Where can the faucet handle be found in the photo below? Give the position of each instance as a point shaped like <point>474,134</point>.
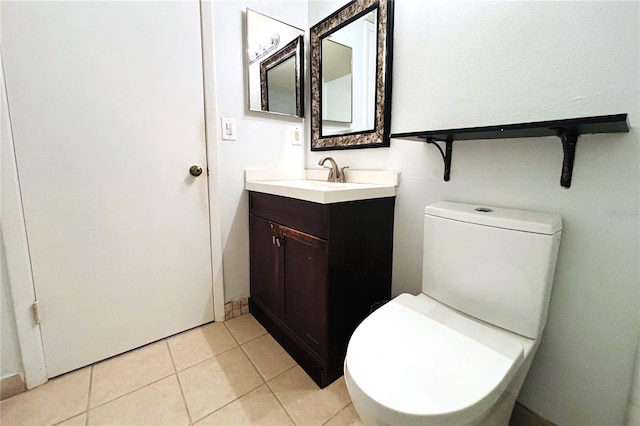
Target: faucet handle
<point>331,177</point>
<point>342,178</point>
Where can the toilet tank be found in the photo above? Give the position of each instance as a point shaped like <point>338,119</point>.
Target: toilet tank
<point>491,263</point>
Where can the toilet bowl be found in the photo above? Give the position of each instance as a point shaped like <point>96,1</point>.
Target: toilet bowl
<point>458,353</point>
<point>417,361</point>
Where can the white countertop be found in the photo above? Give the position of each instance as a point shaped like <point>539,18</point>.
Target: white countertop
<point>311,185</point>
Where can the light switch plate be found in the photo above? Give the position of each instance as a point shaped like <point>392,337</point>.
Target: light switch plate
<point>295,135</point>
<point>228,129</point>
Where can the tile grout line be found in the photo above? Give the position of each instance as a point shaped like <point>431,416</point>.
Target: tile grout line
<point>238,345</point>
<point>259,372</point>
<point>89,408</point>
<point>175,371</point>
<point>232,401</point>
<point>249,358</point>
<point>130,392</point>
<point>88,396</point>
<point>231,333</point>
<point>204,360</point>
<point>86,420</point>
<point>267,382</point>
<point>250,340</point>
<point>86,411</point>
<point>285,408</point>
<point>216,354</point>
<point>346,405</point>
<point>276,395</point>
<point>336,414</point>
<point>264,380</point>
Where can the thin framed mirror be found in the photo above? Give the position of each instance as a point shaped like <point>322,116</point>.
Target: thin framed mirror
<point>351,59</point>
<point>275,57</point>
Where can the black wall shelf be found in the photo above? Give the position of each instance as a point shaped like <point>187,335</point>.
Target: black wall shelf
<point>567,130</point>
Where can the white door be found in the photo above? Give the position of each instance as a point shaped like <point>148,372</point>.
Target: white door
<point>106,101</point>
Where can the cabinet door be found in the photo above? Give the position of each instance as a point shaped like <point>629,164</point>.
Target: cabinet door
<point>304,299</point>
<point>265,259</point>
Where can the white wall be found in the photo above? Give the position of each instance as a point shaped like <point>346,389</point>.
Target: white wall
<point>463,64</point>
<point>263,139</point>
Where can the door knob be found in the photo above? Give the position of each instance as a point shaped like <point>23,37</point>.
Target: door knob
<point>195,170</point>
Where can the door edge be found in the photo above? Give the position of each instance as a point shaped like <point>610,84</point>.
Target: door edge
<point>211,137</point>
<point>16,246</point>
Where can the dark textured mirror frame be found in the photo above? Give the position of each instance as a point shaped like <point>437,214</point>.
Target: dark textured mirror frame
<point>294,49</point>
<point>379,136</point>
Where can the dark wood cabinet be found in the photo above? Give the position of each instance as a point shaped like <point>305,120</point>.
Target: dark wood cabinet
<point>304,278</point>
<point>316,269</point>
<point>265,263</point>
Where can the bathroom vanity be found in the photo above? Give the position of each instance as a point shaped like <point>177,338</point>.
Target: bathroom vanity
<point>317,268</point>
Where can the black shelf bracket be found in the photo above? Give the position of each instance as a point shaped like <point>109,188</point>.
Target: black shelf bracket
<point>569,140</point>
<point>568,130</point>
<point>446,155</point>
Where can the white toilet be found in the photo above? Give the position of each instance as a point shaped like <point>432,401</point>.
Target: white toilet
<point>458,353</point>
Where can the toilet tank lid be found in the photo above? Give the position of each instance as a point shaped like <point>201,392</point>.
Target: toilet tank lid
<point>497,217</point>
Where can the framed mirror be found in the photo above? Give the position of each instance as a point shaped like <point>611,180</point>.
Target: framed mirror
<point>351,58</point>
<point>281,86</point>
<point>275,57</point>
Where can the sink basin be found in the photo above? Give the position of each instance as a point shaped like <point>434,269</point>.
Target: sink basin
<point>321,191</point>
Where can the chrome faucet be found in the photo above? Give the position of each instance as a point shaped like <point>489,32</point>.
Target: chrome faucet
<point>336,174</point>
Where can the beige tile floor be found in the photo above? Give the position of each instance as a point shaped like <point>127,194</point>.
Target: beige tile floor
<point>230,373</point>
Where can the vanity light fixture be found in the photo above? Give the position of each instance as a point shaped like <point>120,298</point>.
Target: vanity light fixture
<point>258,51</point>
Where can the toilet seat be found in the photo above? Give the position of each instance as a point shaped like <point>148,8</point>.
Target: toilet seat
<point>417,357</point>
